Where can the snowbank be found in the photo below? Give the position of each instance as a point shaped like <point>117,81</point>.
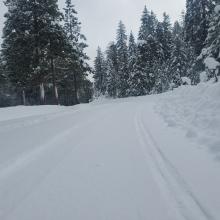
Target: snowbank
<point>195,109</point>
<point>211,63</point>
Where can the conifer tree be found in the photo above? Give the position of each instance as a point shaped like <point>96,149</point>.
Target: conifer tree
<point>177,30</point>
<point>112,70</point>
<point>33,39</point>
<point>178,62</point>
<point>75,56</point>
<point>148,51</point>
<point>100,73</point>
<point>48,40</point>
<point>211,53</point>
<point>164,46</point>
<point>132,61</point>
<point>148,23</point>
<point>17,46</point>
<point>122,54</point>
<point>197,21</point>
<point>167,40</point>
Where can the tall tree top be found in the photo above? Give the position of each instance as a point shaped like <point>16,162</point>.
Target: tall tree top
<point>148,24</point>
<point>121,32</point>
<point>132,45</point>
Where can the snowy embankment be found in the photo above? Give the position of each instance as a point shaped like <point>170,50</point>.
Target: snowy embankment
<point>134,159</point>
<point>197,111</point>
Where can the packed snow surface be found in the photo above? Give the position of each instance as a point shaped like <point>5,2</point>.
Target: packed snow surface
<point>22,112</point>
<point>155,157</point>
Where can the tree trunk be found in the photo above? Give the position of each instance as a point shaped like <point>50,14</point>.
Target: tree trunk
<point>56,96</point>
<point>216,74</point>
<point>23,97</point>
<point>75,94</point>
<point>42,94</point>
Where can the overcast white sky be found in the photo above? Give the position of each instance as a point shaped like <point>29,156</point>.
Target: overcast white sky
<point>100,17</point>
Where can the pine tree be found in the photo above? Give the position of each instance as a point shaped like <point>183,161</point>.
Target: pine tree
<point>160,66</point>
<point>132,52</point>
<point>17,46</point>
<point>137,77</point>
<point>100,73</point>
<point>148,23</point>
<point>197,21</point>
<point>122,53</point>
<point>33,39</point>
<point>211,53</point>
<point>39,52</point>
<point>76,58</point>
<point>148,52</point>
<point>48,39</point>
<point>177,30</point>
<point>132,61</point>
<point>167,40</point>
<point>164,40</point>
<point>112,70</point>
<point>7,94</point>
<point>178,61</point>
<point>55,41</point>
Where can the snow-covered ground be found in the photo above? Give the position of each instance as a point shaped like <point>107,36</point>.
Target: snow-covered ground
<point>23,112</point>
<point>197,111</point>
<point>155,157</point>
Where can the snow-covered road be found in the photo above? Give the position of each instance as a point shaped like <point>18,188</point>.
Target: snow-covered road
<point>109,160</point>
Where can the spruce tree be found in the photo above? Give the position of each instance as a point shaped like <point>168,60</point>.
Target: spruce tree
<point>132,61</point>
<point>33,40</point>
<point>148,51</point>
<point>211,53</point>
<point>177,30</point>
<point>112,78</point>
<point>48,40</point>
<point>178,62</point>
<point>122,53</point>
<point>148,23</point>
<point>17,46</point>
<point>55,42</point>
<point>76,58</point>
<point>167,40</point>
<point>197,17</point>
<point>164,40</point>
<point>100,73</point>
<point>161,64</point>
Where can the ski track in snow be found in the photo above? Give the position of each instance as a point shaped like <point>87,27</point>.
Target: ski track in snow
<point>171,183</point>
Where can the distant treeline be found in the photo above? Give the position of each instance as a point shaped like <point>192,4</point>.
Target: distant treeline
<point>164,56</point>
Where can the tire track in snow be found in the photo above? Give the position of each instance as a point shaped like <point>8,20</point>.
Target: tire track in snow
<point>183,202</point>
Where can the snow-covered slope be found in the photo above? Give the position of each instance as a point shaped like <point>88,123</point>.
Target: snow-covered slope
<point>135,159</point>
<point>197,111</point>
